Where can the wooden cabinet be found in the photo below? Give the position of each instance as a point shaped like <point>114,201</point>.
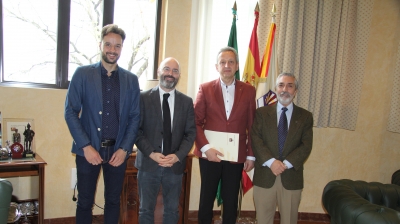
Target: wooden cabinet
<point>130,198</point>
<point>23,168</point>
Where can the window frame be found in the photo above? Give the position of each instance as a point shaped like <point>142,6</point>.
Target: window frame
<point>62,52</point>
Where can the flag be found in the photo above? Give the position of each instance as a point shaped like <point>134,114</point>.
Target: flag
<point>269,65</point>
<point>232,42</point>
<point>219,196</point>
<point>247,184</point>
<point>268,99</point>
<point>252,69</point>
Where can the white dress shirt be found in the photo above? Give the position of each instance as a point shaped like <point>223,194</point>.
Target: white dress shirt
<point>228,93</point>
<point>171,102</point>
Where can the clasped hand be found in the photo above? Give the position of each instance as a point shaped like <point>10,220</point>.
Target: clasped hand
<point>277,167</point>
<point>93,157</point>
<point>164,160</point>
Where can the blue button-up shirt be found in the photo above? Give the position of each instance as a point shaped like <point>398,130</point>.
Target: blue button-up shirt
<point>111,96</point>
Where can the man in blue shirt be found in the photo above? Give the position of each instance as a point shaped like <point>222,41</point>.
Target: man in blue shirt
<point>102,113</point>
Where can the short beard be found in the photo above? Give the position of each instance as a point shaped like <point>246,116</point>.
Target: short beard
<point>168,84</point>
<point>104,57</point>
<point>284,101</point>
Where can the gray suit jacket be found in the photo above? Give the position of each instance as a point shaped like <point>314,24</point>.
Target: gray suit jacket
<point>150,134</point>
<point>264,136</point>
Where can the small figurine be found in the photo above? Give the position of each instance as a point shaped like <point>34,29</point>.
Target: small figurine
<point>16,135</point>
<point>28,133</point>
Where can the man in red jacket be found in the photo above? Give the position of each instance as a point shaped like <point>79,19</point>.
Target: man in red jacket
<point>223,105</point>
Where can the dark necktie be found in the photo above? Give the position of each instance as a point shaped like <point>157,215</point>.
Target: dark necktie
<point>166,125</point>
<point>282,131</point>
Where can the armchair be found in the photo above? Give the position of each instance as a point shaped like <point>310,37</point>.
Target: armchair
<point>5,199</point>
<point>359,202</point>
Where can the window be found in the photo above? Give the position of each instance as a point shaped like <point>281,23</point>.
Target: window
<point>45,41</point>
<point>29,40</point>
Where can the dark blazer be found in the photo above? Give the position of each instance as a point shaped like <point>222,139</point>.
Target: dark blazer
<point>84,106</point>
<point>211,115</point>
<point>296,150</point>
<point>150,135</point>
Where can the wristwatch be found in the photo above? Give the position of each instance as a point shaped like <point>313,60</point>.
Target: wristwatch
<point>124,150</point>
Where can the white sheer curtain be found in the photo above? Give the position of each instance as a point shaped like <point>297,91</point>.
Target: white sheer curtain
<point>210,27</point>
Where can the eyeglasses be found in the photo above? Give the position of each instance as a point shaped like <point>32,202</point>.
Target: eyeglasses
<point>168,69</point>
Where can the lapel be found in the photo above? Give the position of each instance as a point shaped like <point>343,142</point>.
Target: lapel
<point>177,110</point>
<point>123,82</point>
<point>238,95</point>
<point>295,122</point>
<point>154,98</point>
<point>272,128</point>
<point>96,79</point>
<point>218,96</point>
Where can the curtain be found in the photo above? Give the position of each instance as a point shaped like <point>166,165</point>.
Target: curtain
<point>324,44</point>
<point>394,115</point>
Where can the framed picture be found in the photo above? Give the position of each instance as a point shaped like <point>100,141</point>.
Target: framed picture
<point>15,128</point>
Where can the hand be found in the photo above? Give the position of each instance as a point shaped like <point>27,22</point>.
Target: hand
<point>117,158</point>
<point>92,156</point>
<point>277,167</point>
<point>248,165</point>
<point>169,160</point>
<point>156,156</point>
<point>212,155</point>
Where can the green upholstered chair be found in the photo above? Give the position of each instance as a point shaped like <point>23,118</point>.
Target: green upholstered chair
<point>6,190</point>
<point>396,178</point>
<point>359,202</point>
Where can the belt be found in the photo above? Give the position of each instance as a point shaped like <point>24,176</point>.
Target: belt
<point>107,142</point>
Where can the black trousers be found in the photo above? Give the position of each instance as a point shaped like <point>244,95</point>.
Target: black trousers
<point>230,175</point>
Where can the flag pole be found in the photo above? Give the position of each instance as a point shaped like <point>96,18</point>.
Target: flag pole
<point>232,42</point>
<point>254,73</point>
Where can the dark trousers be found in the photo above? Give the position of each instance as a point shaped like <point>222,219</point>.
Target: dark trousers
<point>149,184</point>
<point>87,176</point>
<point>230,175</point>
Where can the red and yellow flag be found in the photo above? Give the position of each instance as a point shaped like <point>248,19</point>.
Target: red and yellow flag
<point>252,69</point>
<point>269,64</point>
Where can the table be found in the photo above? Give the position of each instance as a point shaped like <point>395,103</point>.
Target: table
<point>23,168</point>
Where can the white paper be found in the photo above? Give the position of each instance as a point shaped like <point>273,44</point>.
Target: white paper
<point>225,142</point>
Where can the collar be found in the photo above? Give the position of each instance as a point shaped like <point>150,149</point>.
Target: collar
<point>279,107</point>
<point>224,85</point>
<point>172,92</point>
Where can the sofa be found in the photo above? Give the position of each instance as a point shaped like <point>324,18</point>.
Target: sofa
<point>396,178</point>
<point>5,199</point>
<point>359,202</point>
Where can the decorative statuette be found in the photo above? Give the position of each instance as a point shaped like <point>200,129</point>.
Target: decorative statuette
<point>17,149</point>
<point>29,134</point>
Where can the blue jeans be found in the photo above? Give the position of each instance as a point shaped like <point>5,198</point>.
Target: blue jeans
<point>87,176</point>
<point>149,185</point>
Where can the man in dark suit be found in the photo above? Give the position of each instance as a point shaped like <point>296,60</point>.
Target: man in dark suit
<point>223,105</point>
<point>165,138</point>
<point>102,114</point>
<point>282,138</point>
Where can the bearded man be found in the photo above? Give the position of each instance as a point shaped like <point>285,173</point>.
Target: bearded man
<point>166,134</point>
<point>282,139</point>
<point>102,114</point>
